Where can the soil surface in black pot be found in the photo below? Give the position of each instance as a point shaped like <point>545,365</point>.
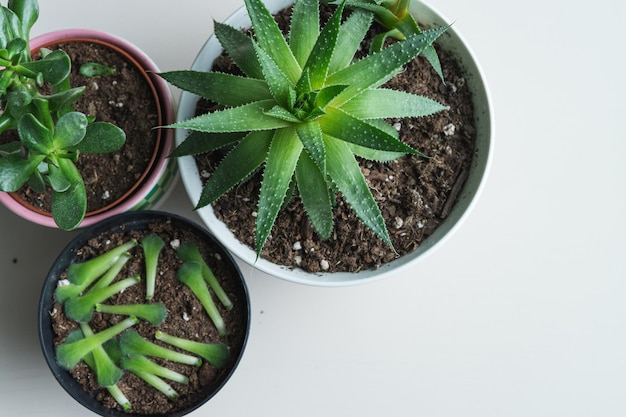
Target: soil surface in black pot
<point>186,318</point>
<point>124,99</point>
<point>415,194</point>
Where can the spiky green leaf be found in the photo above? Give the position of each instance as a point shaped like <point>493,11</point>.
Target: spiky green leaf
<point>304,29</point>
<point>201,142</point>
<point>239,47</point>
<point>244,159</point>
<point>310,134</point>
<point>271,39</point>
<point>281,163</point>
<point>375,69</point>
<point>346,174</point>
<point>341,125</point>
<point>320,57</point>
<point>349,39</point>
<point>226,89</point>
<point>279,85</point>
<point>315,195</point>
<point>385,103</point>
<point>244,118</point>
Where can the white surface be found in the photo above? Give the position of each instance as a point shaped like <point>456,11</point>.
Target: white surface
<point>521,313</point>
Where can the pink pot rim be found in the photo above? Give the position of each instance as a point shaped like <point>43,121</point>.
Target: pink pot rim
<point>168,116</point>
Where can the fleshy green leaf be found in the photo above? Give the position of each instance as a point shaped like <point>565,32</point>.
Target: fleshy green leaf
<point>69,207</point>
<point>55,66</point>
<point>226,89</point>
<point>304,29</point>
<point>57,179</point>
<point>375,69</point>
<point>341,125</point>
<point>201,142</point>
<point>346,174</point>
<point>385,103</point>
<point>315,195</point>
<point>28,12</point>
<point>310,134</point>
<point>244,118</point>
<point>244,159</point>
<point>15,171</point>
<point>63,99</point>
<point>34,135</point>
<point>239,47</point>
<point>271,40</point>
<point>101,137</point>
<point>278,83</point>
<point>70,130</point>
<point>10,27</point>
<point>320,57</point>
<point>281,163</point>
<point>349,39</point>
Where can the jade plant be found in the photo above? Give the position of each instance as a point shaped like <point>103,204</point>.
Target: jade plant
<point>52,134</point>
<point>89,288</point>
<point>304,109</point>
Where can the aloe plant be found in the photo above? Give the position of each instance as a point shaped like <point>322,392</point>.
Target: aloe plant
<point>51,134</point>
<point>302,112</point>
<point>394,16</point>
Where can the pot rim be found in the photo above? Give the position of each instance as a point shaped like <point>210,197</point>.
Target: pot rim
<point>165,137</point>
<point>466,201</point>
<point>127,221</point>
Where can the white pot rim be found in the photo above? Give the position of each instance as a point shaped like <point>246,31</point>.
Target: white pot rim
<point>452,41</point>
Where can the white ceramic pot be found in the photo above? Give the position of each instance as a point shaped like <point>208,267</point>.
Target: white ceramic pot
<point>450,41</point>
<point>156,181</point>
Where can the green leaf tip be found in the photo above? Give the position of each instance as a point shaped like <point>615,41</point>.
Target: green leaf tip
<point>81,308</point>
<point>190,274</point>
<point>90,270</point>
<point>189,251</point>
<point>216,354</point>
<point>69,354</point>
<point>152,246</point>
<point>137,363</point>
<point>154,313</point>
<point>132,343</point>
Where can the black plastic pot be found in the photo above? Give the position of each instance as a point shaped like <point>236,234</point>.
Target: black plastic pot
<point>124,222</point>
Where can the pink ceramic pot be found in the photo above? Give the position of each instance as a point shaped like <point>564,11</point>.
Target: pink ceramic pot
<point>152,187</point>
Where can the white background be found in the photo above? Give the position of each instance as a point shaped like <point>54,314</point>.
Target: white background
<point>521,313</point>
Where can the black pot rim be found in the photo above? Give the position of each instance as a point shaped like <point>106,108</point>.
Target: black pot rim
<point>131,220</point>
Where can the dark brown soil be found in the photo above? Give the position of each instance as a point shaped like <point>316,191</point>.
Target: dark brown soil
<point>415,193</point>
<point>186,318</point>
<point>124,99</point>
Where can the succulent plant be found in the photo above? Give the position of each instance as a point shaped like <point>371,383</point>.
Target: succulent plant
<point>51,133</point>
<point>303,111</point>
<point>394,16</point>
